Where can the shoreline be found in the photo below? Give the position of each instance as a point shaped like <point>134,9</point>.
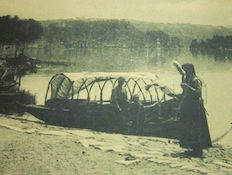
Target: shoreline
<point>29,146</point>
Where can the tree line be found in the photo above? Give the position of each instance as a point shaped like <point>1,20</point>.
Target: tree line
<point>217,42</point>
<point>220,47</point>
<point>75,34</point>
<point>104,33</point>
<point>15,31</point>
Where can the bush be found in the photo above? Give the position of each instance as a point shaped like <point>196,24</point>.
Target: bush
<point>9,102</point>
<point>26,98</point>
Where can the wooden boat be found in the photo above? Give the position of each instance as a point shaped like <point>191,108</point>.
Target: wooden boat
<point>8,86</point>
<point>83,100</point>
<point>26,64</point>
<point>10,92</point>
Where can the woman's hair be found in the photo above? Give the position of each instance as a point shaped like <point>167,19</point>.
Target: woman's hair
<point>189,68</point>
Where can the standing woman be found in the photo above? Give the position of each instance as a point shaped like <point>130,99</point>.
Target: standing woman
<point>193,122</point>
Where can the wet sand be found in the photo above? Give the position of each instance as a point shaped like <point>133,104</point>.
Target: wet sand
<point>29,146</point>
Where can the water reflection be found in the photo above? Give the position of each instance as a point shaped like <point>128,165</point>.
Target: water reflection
<point>216,54</point>
<point>108,59</point>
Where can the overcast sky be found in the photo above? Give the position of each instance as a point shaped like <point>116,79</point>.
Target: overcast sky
<point>207,12</point>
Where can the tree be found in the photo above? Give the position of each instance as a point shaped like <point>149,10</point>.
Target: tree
<point>15,31</point>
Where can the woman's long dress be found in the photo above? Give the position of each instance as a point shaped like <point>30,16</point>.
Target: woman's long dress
<point>194,127</point>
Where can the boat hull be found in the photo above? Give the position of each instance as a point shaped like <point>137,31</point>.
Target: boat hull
<point>101,118</point>
<point>49,115</point>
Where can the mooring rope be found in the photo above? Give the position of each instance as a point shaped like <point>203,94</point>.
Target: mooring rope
<point>213,141</point>
<point>222,136</point>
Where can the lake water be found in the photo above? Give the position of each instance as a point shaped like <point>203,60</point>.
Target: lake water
<point>216,75</point>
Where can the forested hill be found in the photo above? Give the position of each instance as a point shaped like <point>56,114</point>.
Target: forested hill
<point>123,33</point>
<point>185,32</point>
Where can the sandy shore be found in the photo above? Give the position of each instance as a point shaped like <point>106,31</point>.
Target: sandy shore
<point>29,146</point>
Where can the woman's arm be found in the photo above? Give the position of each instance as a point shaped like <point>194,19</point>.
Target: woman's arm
<point>176,64</point>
